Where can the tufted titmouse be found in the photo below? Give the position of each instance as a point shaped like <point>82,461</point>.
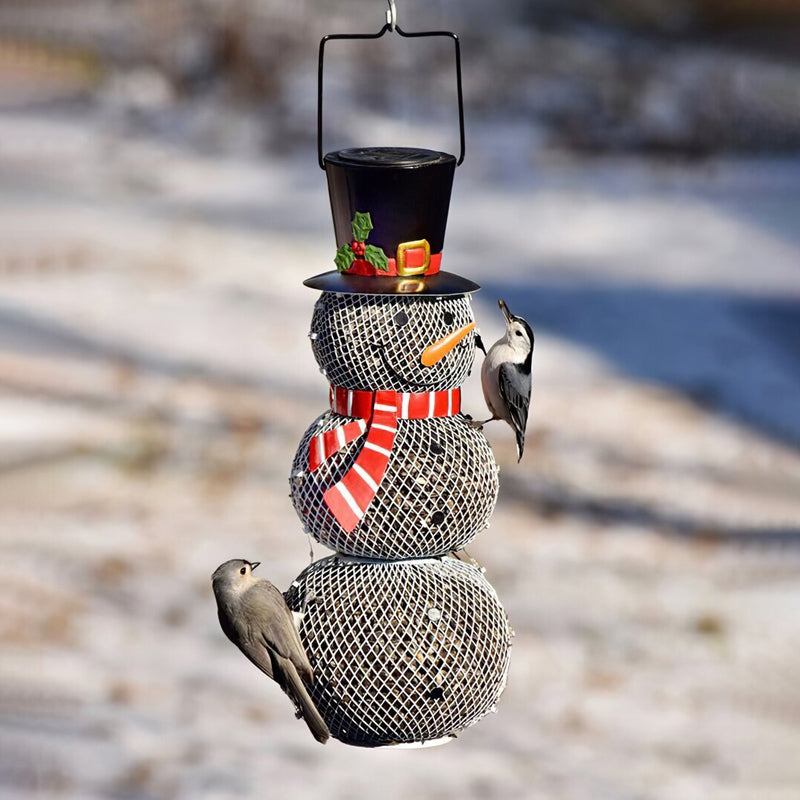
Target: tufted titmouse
<point>254,616</point>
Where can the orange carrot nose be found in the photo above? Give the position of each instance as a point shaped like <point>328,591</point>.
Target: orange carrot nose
<point>435,352</point>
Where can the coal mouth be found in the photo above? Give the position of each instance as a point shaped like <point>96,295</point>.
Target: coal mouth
<point>380,347</point>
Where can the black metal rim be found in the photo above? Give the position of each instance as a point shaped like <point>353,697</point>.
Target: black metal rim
<point>440,284</point>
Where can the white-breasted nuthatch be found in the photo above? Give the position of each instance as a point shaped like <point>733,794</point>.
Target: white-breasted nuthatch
<point>506,376</point>
<point>254,616</point>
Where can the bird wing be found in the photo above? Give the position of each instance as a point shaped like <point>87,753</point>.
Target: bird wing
<point>277,633</point>
<point>515,389</point>
<point>274,647</point>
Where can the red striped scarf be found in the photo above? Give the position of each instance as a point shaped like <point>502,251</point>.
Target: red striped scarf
<point>377,414</point>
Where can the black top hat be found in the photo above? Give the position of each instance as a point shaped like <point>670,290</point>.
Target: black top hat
<point>390,209</point>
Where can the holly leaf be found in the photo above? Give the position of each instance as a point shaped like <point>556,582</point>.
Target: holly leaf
<point>376,257</point>
<point>362,225</point>
<point>344,257</point>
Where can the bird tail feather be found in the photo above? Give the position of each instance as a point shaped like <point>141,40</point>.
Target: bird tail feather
<point>296,689</point>
<point>520,445</point>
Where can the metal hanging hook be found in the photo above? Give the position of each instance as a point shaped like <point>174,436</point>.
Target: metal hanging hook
<point>390,26</point>
<point>391,16</point>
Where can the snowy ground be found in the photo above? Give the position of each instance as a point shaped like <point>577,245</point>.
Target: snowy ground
<point>155,379</point>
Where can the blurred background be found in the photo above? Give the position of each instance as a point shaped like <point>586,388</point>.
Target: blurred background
<point>631,187</point>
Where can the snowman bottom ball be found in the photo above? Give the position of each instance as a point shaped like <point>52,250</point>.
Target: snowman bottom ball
<point>403,652</point>
<point>438,491</point>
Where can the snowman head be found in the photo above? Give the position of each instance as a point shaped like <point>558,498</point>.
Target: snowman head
<point>399,342</point>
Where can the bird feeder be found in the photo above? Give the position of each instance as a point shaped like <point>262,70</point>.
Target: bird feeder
<point>409,645</point>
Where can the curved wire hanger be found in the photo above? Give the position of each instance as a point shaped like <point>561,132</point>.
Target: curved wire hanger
<point>390,26</point>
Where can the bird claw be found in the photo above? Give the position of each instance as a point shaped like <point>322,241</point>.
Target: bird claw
<point>463,555</point>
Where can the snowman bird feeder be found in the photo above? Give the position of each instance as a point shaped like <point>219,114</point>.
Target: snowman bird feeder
<point>409,645</point>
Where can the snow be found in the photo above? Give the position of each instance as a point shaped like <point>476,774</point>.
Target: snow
<point>155,380</point>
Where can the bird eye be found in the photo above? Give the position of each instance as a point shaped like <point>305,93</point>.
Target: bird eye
<point>400,319</point>
<point>449,319</point>
<point>519,333</point>
<point>243,571</point>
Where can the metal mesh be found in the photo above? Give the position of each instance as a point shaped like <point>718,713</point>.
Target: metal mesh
<point>375,341</point>
<point>438,491</point>
<point>403,651</point>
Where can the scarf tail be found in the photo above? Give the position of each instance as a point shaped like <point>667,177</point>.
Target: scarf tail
<point>349,499</point>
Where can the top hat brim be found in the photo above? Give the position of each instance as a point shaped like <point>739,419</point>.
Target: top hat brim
<point>438,284</point>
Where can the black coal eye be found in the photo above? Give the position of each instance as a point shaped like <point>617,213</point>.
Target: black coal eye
<point>449,319</point>
<point>400,319</point>
<point>243,571</point>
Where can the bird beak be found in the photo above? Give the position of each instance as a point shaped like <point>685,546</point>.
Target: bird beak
<point>435,352</point>
<point>504,308</point>
<point>253,565</point>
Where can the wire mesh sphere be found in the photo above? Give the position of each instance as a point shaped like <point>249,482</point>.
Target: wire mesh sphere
<point>402,651</point>
<point>437,493</point>
<point>369,342</point>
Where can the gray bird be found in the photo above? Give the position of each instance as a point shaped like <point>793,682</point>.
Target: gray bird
<point>254,616</point>
<point>506,376</point>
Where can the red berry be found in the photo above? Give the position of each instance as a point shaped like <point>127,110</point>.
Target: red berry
<point>358,248</point>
